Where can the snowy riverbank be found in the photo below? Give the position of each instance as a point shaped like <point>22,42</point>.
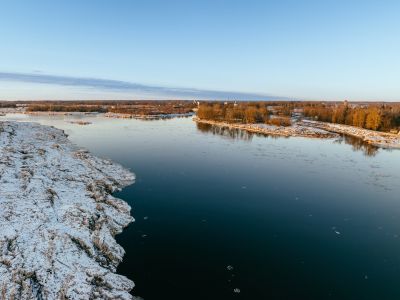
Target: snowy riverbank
<point>314,129</point>
<point>294,130</point>
<point>58,218</point>
<point>376,138</point>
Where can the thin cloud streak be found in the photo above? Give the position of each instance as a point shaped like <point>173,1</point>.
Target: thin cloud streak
<point>129,87</point>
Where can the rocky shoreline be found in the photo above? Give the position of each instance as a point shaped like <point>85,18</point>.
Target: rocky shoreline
<point>58,218</point>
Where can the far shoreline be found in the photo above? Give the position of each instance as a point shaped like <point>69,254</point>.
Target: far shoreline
<point>316,130</point>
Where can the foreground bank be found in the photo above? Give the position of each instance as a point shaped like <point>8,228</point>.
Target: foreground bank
<point>58,218</point>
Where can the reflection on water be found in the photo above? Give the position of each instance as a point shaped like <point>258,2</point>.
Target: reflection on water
<point>161,117</point>
<point>359,145</point>
<point>233,133</point>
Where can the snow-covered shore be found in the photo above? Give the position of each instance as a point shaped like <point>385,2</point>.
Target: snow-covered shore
<point>58,218</point>
<point>294,130</point>
<point>314,129</point>
<point>376,138</point>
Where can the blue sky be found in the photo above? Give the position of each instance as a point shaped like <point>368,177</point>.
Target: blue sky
<point>126,49</point>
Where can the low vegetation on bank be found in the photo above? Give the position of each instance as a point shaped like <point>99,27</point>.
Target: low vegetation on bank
<point>65,108</point>
<point>138,108</point>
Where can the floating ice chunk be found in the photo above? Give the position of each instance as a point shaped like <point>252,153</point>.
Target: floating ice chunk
<point>335,230</point>
<point>229,268</point>
<point>236,290</point>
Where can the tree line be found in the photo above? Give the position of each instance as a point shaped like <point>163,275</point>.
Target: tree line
<point>244,113</point>
<point>65,108</point>
<point>382,117</point>
<point>373,116</point>
<point>124,107</point>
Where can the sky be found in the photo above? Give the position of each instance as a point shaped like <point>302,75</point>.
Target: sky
<point>204,49</point>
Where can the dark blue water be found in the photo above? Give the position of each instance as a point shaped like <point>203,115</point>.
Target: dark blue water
<point>276,218</point>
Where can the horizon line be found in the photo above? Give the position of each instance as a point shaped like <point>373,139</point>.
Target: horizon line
<point>119,86</point>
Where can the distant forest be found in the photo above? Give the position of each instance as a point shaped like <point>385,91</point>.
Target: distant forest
<point>382,117</point>
<point>374,116</point>
<point>245,113</point>
<point>123,107</point>
<point>66,108</point>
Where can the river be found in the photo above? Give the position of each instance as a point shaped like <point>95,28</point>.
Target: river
<point>223,214</point>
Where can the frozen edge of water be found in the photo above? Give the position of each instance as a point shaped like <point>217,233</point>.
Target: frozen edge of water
<point>58,218</point>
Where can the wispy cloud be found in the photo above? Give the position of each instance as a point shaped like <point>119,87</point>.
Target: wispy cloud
<point>129,87</point>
